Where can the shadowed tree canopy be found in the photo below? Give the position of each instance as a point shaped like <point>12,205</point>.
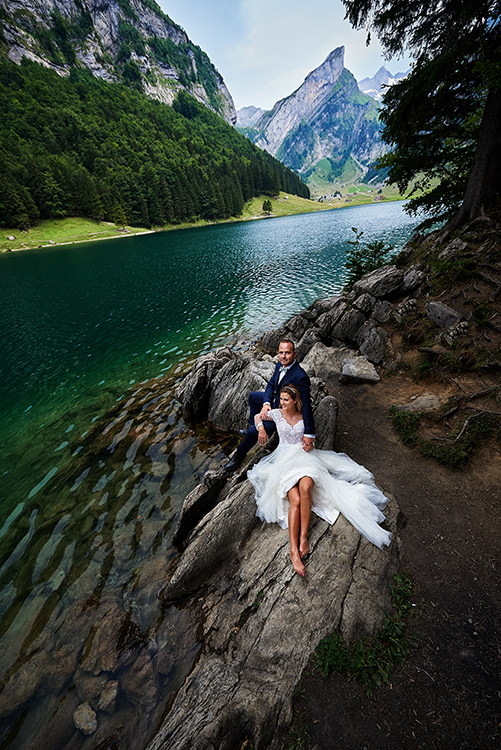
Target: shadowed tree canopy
<point>81,146</point>
<point>444,120</point>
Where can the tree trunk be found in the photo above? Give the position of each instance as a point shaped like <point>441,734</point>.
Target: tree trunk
<point>483,190</point>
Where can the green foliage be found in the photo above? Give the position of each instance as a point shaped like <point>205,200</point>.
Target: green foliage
<point>447,271</point>
<point>127,8</point>
<point>56,42</point>
<point>372,660</point>
<point>267,207</point>
<point>406,423</point>
<point>109,145</point>
<point>131,36</point>
<point>432,119</point>
<point>365,257</point>
<point>456,452</point>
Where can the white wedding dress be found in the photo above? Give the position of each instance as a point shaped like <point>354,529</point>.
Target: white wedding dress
<point>340,484</point>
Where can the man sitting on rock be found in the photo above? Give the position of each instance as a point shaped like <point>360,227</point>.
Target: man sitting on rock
<point>287,372</point>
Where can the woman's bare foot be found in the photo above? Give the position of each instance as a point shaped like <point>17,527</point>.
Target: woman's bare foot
<point>297,564</point>
<point>304,547</point>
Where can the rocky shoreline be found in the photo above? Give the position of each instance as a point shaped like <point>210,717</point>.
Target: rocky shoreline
<point>260,621</point>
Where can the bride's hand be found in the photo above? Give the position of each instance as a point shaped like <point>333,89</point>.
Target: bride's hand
<point>262,436</point>
<point>308,444</point>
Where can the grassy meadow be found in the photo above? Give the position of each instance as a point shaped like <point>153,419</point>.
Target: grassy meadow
<point>76,229</point>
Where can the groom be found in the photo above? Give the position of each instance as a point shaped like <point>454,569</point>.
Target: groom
<point>287,372</point>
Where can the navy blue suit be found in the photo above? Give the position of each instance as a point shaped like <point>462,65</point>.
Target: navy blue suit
<point>296,376</point>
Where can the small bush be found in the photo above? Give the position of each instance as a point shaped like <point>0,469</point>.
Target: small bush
<point>365,257</point>
<point>458,451</point>
<point>372,660</point>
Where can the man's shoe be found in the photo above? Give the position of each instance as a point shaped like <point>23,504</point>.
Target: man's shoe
<point>244,432</point>
<point>233,463</point>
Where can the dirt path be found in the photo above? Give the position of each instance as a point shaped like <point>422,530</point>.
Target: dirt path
<point>447,692</point>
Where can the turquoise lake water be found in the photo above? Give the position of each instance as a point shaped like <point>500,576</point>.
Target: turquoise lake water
<point>95,459</point>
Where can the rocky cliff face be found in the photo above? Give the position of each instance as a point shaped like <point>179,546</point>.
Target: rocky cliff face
<point>131,41</point>
<point>327,130</point>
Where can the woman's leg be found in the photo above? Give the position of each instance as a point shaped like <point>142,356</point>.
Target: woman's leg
<point>294,525</point>
<point>305,486</point>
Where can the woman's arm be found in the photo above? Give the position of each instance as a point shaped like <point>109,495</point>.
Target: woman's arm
<point>261,432</point>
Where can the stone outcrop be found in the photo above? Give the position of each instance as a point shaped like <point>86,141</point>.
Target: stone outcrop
<point>261,621</point>
<point>94,29</point>
<point>352,324</point>
<point>358,370</point>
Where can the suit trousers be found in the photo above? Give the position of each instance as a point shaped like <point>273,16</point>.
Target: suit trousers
<point>256,400</point>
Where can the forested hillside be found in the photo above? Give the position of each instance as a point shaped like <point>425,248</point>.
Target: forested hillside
<point>82,146</point>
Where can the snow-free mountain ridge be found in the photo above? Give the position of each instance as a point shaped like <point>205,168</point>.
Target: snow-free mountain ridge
<point>327,130</point>
<point>130,41</point>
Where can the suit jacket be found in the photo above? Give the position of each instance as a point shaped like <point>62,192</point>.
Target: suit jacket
<point>295,375</point>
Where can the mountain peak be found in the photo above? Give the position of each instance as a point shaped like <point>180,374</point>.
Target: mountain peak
<point>288,113</point>
<point>376,85</point>
<point>330,66</point>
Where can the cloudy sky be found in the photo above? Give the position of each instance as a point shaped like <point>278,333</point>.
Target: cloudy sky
<point>264,49</point>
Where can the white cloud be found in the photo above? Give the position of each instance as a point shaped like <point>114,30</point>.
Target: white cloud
<point>265,48</point>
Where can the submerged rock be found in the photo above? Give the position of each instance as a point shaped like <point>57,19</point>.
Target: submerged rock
<point>108,697</point>
<point>84,719</point>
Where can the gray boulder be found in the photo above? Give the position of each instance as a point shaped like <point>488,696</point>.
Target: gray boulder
<point>295,328</point>
<point>453,249</point>
<point>382,311</point>
<point>441,315</point>
<point>372,342</point>
<point>405,308</point>
<point>325,423</point>
<point>365,303</point>
<point>382,282</point>
<point>426,402</point>
<point>193,391</point>
<point>413,278</point>
<point>347,328</point>
<point>328,320</point>
<point>307,342</point>
<point>229,390</point>
<point>358,370</point>
<point>271,340</point>
<point>326,361</point>
<point>198,503</point>
<point>325,305</point>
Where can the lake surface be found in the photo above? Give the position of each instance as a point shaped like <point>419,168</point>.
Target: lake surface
<point>96,461</point>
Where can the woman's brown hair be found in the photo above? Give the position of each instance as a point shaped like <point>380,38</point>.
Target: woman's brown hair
<point>293,392</point>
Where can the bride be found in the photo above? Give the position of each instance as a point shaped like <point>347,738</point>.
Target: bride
<point>293,480</point>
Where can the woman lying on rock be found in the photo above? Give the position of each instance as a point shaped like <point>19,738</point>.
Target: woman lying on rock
<point>293,480</point>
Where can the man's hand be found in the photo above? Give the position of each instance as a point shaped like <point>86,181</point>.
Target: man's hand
<point>264,411</point>
<point>308,443</point>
